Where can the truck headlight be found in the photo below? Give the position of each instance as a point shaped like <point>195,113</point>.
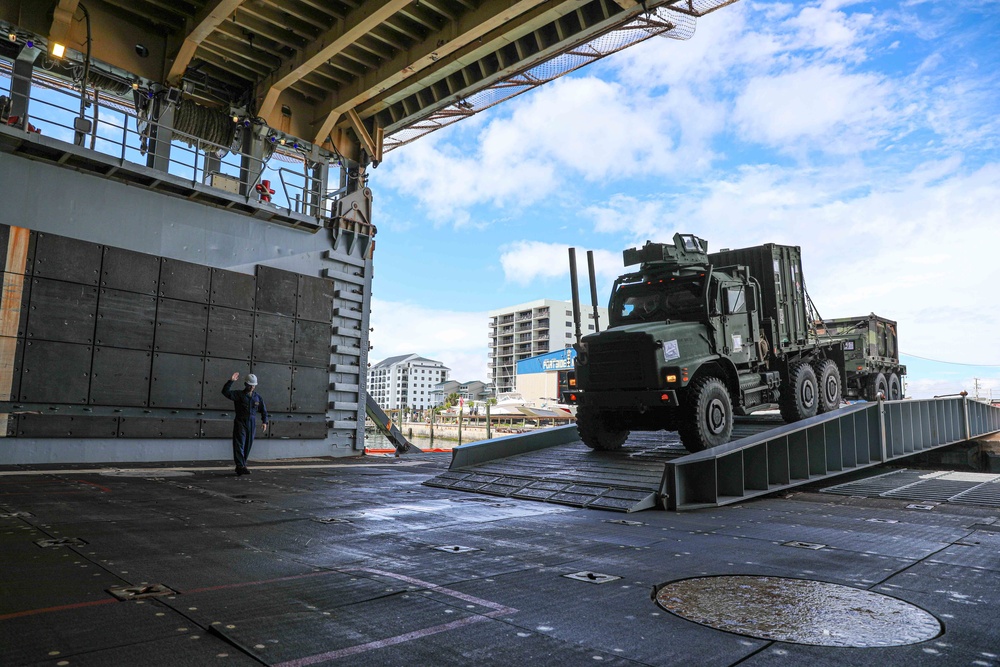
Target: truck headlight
<point>671,378</point>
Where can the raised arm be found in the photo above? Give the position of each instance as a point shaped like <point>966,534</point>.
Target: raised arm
<point>227,388</point>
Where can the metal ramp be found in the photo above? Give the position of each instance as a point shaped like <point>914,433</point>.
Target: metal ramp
<point>850,439</point>
<point>554,466</point>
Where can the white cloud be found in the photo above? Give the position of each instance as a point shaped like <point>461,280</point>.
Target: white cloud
<point>822,107</point>
<point>455,338</point>
<point>524,262</point>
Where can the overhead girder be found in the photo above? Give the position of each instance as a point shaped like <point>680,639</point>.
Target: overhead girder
<point>334,41</point>
<point>473,25</point>
<point>206,21</point>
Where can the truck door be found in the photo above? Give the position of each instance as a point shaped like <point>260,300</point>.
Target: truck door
<point>738,333</point>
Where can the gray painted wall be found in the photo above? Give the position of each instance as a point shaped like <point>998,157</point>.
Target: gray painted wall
<point>50,198</point>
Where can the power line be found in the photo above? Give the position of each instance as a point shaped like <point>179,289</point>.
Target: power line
<point>953,363</point>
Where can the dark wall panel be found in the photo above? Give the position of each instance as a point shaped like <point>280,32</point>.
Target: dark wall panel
<point>55,372</point>
<point>298,429</point>
<point>184,280</point>
<point>129,270</point>
<point>310,388</point>
<point>230,333</point>
<point>315,299</point>
<point>151,427</point>
<point>125,319</point>
<point>217,372</point>
<point>181,326</point>
<point>275,385</point>
<point>120,377</point>
<point>312,344</point>
<point>233,290</point>
<point>57,426</point>
<point>277,291</point>
<point>273,339</point>
<point>63,258</point>
<point>217,428</point>
<point>177,381</point>
<point>62,311</point>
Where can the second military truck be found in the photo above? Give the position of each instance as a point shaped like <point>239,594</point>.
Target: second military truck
<point>695,338</point>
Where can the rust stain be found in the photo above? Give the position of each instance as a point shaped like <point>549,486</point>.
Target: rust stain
<point>10,311</point>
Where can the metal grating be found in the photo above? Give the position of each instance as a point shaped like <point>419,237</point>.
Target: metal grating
<point>953,487</point>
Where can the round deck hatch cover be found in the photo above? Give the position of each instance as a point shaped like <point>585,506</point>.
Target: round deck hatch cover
<point>798,611</point>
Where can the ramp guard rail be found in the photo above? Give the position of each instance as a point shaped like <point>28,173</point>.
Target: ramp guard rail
<point>849,439</point>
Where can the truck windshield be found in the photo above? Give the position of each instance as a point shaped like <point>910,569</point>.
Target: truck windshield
<point>674,299</point>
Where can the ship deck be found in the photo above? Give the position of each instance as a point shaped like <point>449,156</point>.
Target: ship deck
<point>357,562</point>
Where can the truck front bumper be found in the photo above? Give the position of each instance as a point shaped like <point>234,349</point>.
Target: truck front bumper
<point>638,400</point>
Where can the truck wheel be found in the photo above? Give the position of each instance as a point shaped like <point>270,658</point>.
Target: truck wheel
<point>828,382</point>
<point>602,431</point>
<point>895,392</point>
<point>877,384</point>
<point>799,395</point>
<point>708,415</point>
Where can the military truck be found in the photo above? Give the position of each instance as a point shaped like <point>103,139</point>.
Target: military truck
<point>695,338</point>
<point>871,356</point>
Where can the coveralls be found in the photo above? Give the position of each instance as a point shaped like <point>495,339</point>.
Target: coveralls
<point>245,424</point>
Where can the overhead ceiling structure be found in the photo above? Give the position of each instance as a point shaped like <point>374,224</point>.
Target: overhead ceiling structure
<point>357,75</point>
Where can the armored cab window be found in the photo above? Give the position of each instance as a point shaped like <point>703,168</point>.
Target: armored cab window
<point>735,300</point>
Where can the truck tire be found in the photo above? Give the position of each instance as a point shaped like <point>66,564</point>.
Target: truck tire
<point>602,431</point>
<point>828,383</point>
<point>895,391</point>
<point>877,384</point>
<point>799,395</point>
<point>708,415</point>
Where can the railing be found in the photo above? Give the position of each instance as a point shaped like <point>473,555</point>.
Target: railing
<point>119,133</point>
<point>852,438</point>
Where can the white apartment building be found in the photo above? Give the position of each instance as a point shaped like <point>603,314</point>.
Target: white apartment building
<point>406,381</point>
<point>529,329</point>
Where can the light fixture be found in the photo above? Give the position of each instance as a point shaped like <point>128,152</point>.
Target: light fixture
<point>282,141</point>
<point>30,44</point>
<point>236,119</point>
<point>57,50</point>
<point>135,85</point>
<point>12,36</point>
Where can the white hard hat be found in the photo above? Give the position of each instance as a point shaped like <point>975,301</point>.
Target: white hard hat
<point>250,379</point>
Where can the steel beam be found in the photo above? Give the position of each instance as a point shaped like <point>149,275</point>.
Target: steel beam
<point>329,44</point>
<point>441,44</point>
<point>207,20</point>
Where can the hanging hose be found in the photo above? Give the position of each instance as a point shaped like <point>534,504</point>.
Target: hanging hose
<point>215,128</point>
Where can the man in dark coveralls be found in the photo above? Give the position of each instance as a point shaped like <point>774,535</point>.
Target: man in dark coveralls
<point>248,402</point>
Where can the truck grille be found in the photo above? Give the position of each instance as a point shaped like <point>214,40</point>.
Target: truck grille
<point>625,362</point>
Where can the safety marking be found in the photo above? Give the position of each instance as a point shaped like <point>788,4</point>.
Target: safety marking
<point>229,468</point>
<point>498,610</point>
<point>64,607</point>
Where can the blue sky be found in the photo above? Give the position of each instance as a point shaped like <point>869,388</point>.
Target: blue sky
<point>866,133</point>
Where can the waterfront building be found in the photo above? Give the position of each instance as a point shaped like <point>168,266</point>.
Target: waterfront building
<point>529,329</point>
<point>541,380</point>
<point>407,380</point>
<point>473,390</point>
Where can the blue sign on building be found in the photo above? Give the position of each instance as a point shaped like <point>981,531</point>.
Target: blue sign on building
<point>560,360</point>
